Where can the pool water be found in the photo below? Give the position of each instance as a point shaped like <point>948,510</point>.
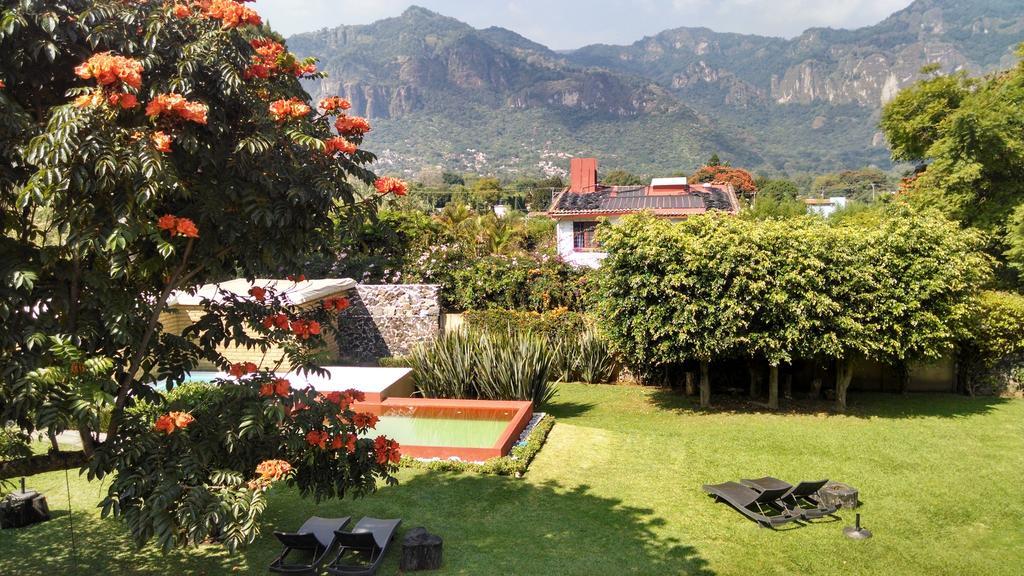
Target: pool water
<point>444,427</point>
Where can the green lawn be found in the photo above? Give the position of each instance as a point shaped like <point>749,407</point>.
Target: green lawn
<point>616,490</point>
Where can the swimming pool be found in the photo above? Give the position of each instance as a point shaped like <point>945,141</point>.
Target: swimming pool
<point>470,430</point>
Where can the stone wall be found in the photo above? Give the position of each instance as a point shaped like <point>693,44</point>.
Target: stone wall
<point>388,320</point>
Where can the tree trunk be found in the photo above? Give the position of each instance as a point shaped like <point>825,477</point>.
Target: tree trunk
<point>903,371</point>
<point>787,388</point>
<point>755,384</point>
<point>773,387</point>
<point>691,386</point>
<point>42,463</point>
<point>816,385</point>
<point>844,373</point>
<point>705,385</point>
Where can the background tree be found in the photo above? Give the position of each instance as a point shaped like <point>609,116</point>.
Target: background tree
<point>969,135</point>
<point>863,185</point>
<point>622,178</point>
<point>777,189</point>
<point>156,147</point>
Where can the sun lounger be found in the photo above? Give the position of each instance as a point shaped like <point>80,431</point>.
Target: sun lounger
<point>311,542</point>
<point>362,550</point>
<point>761,507</point>
<point>801,499</point>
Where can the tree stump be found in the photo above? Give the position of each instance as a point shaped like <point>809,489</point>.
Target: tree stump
<point>839,494</point>
<point>21,509</point>
<point>421,550</point>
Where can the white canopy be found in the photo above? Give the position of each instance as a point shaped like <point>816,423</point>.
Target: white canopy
<point>295,293</point>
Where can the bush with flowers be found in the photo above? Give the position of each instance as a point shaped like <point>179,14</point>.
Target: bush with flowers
<point>151,147</point>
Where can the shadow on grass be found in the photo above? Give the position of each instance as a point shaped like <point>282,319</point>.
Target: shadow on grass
<point>567,409</point>
<point>859,405</point>
<point>101,547</point>
<point>499,525</point>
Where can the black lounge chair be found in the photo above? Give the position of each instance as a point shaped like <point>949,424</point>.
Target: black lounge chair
<point>362,550</point>
<point>801,499</point>
<point>761,507</point>
<point>312,542</point>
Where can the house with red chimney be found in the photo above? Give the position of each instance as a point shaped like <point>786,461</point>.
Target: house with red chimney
<point>579,208</point>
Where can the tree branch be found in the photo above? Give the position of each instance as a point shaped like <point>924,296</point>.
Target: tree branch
<point>42,463</point>
<point>140,352</point>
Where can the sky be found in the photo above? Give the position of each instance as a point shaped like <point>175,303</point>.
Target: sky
<point>567,24</point>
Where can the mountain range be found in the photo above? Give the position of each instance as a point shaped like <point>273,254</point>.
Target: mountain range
<point>442,93</point>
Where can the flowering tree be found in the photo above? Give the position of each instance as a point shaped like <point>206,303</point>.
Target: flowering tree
<point>149,147</point>
<point>740,179</point>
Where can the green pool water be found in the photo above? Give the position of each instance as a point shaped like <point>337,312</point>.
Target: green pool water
<point>441,430</point>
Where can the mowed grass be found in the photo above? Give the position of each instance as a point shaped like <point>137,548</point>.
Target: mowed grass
<point>617,490</point>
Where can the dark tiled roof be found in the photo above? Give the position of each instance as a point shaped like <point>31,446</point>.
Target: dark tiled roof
<point>636,199</point>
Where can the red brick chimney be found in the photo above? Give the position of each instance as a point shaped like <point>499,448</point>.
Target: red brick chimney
<point>583,175</point>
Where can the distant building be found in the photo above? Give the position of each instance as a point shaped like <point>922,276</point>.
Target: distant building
<point>825,206</point>
<point>578,208</point>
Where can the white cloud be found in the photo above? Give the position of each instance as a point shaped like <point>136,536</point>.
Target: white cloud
<point>573,23</point>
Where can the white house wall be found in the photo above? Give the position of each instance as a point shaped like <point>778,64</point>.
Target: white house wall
<point>563,231</point>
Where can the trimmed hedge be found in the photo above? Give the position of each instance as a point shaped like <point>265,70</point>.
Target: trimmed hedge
<point>515,464</point>
<point>558,323</point>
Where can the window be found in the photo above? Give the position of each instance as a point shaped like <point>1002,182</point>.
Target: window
<point>583,236</point>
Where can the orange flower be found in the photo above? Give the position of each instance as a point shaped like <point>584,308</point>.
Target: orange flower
<point>182,419</point>
<point>339,144</point>
<point>333,103</point>
<point>176,105</point>
<point>299,278</point>
<point>393,185</point>
<point>108,69</point>
<point>2,85</point>
<point>364,420</point>
<point>231,14</point>
<point>172,421</point>
<point>168,223</point>
<point>241,369</point>
<point>305,328</point>
<point>181,11</point>
<point>161,141</point>
<point>338,304</point>
<point>123,99</point>
<point>317,438</point>
<point>259,293</point>
<point>273,470</point>
<point>281,110</point>
<point>88,100</point>
<point>387,450</point>
<point>164,424</point>
<point>279,387</point>
<point>187,228</point>
<point>352,125</point>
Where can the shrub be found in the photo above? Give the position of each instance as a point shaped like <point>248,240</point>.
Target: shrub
<point>194,396</point>
<point>998,329</point>
<point>394,362</point>
<point>14,444</point>
<point>557,323</point>
<point>515,283</point>
<point>469,364</point>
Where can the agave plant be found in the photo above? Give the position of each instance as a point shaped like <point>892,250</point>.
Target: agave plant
<point>594,362</point>
<point>514,366</point>
<point>446,367</point>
